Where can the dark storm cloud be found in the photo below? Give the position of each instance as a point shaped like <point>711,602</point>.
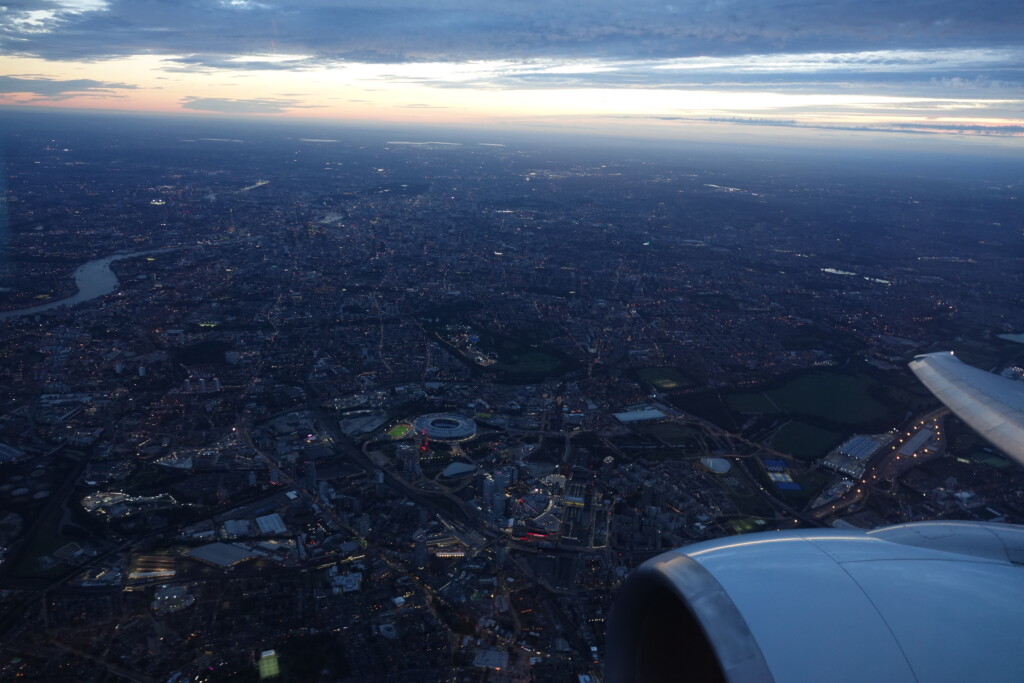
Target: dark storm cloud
<point>231,106</point>
<point>55,89</point>
<point>410,30</point>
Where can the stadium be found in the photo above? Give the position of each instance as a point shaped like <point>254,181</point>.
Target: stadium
<point>446,427</point>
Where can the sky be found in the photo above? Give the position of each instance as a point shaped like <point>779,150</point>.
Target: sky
<point>941,67</point>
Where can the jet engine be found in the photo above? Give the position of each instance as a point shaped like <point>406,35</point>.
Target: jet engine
<point>928,601</point>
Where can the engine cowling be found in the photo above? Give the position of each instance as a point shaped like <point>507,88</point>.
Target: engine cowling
<point>929,601</point>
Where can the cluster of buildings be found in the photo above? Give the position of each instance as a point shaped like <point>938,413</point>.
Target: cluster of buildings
<point>408,430</point>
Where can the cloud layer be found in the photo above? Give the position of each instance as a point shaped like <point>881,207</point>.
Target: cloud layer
<point>57,89</point>
<point>225,105</point>
<point>913,58</point>
<point>457,30</point>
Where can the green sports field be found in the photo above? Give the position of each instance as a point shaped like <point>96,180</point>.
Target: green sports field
<point>400,431</point>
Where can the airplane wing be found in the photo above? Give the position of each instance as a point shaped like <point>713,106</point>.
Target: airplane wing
<point>991,405</point>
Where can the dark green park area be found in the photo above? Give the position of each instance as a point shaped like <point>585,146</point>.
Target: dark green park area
<point>664,378</point>
<point>831,396</point>
<point>812,411</point>
<point>306,657</point>
<point>859,398</point>
<point>804,440</point>
<point>515,359</point>
<point>521,358</point>
<point>209,352</point>
<point>689,440</point>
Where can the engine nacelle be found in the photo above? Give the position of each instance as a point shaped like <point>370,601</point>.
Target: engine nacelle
<point>929,601</point>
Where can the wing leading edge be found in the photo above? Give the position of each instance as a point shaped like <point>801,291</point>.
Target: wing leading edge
<point>991,405</point>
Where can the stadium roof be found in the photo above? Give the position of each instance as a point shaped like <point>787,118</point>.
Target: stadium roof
<point>445,426</point>
<point>862,446</point>
<point>221,554</point>
<point>640,415</point>
<point>457,469</point>
<point>991,405</point>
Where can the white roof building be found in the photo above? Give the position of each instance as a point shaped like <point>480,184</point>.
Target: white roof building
<point>221,555</point>
<point>271,524</point>
<point>639,415</point>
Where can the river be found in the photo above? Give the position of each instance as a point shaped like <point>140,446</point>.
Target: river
<point>93,279</point>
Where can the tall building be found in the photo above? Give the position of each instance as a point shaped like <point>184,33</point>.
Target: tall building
<point>420,553</point>
<point>487,488</point>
